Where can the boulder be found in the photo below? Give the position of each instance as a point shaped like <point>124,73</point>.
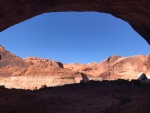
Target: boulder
<point>142,77</point>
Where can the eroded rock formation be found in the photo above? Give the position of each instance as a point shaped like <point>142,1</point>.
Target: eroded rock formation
<point>115,67</point>
<point>136,13</point>
<point>34,72</point>
<point>10,63</point>
<point>42,62</point>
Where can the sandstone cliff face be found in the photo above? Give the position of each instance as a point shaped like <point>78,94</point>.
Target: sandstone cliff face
<point>41,72</point>
<point>34,72</point>
<point>10,63</point>
<point>148,65</point>
<point>115,67</point>
<point>43,67</point>
<point>42,63</point>
<point>136,13</point>
<point>10,60</point>
<point>126,68</point>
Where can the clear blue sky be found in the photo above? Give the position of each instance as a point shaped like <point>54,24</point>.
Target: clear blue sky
<point>73,37</point>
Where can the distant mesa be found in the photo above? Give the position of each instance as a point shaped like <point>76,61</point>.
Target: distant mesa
<point>34,60</point>
<point>33,72</point>
<point>115,67</point>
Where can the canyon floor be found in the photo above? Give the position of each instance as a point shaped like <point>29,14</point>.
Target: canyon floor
<point>94,97</point>
<point>37,85</point>
<point>33,72</point>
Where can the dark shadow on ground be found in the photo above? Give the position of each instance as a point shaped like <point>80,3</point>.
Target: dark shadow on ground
<point>118,96</point>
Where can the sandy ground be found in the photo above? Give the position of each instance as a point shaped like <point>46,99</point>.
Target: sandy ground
<point>36,82</point>
<point>94,97</point>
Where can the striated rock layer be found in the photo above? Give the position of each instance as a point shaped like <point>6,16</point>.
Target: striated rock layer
<point>9,63</point>
<point>115,67</point>
<point>34,72</point>
<point>148,66</point>
<point>135,12</point>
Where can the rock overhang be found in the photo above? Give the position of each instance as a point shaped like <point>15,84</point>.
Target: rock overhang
<point>136,13</point>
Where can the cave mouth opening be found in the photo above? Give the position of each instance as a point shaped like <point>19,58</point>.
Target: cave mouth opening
<point>73,37</point>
